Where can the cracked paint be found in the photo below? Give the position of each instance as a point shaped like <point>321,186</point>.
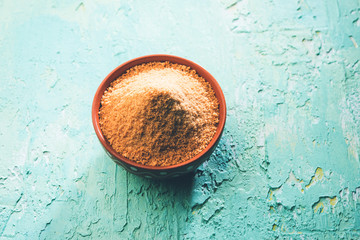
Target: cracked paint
<point>286,167</point>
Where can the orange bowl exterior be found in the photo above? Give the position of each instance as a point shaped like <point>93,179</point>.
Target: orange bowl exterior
<point>153,171</point>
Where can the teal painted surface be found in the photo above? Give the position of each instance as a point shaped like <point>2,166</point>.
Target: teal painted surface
<point>287,165</point>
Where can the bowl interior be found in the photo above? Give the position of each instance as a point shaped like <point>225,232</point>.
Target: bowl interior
<point>157,58</point>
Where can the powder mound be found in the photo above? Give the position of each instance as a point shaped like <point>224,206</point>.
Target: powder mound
<point>159,114</point>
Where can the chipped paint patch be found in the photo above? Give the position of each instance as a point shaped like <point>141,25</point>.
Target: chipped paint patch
<point>319,207</point>
<point>325,204</point>
<point>318,176</point>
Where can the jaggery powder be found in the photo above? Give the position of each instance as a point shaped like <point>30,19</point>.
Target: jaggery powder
<point>159,114</point>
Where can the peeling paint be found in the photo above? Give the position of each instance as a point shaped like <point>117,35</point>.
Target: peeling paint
<point>287,166</point>
<point>318,176</point>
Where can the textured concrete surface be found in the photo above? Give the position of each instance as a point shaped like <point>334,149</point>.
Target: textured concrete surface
<point>287,165</point>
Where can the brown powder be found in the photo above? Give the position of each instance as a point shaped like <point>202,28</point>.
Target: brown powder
<point>159,114</point>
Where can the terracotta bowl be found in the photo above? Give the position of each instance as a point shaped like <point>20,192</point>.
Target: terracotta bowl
<point>151,171</point>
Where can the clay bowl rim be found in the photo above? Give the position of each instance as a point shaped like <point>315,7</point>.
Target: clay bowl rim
<point>114,74</point>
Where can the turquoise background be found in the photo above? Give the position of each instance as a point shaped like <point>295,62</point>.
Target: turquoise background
<point>287,165</point>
